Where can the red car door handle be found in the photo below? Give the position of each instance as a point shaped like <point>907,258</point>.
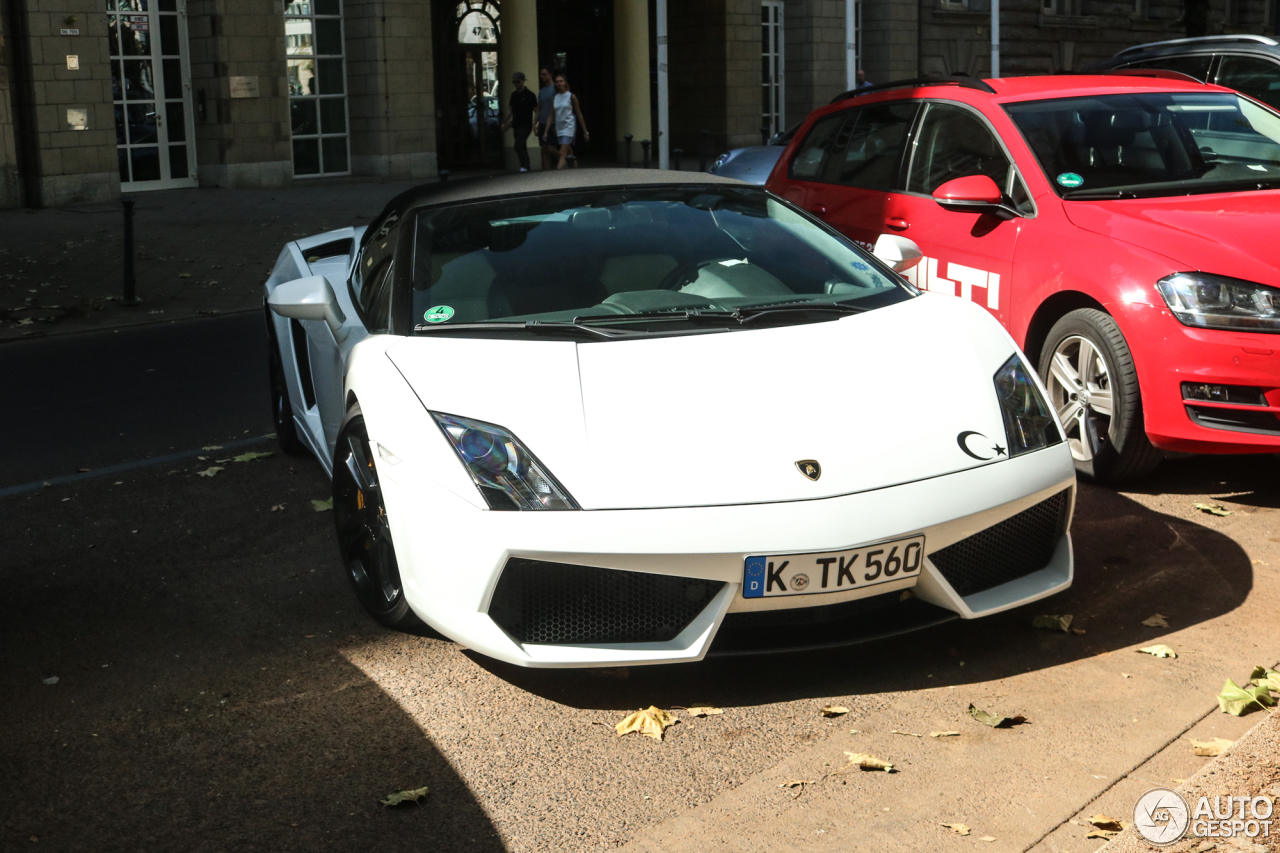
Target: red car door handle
<point>897,223</point>
<point>819,210</point>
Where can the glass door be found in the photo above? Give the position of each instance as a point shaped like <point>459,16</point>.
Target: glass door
<point>315,51</point>
<point>151,88</point>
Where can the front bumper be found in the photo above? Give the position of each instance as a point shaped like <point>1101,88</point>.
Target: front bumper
<point>452,555</point>
<point>1168,354</point>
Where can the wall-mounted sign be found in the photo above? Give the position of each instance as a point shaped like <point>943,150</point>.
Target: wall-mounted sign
<point>69,32</point>
<point>73,62</point>
<point>243,87</point>
<point>77,119</point>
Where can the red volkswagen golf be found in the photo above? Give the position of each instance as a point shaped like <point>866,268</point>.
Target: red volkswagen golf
<point>1124,229</point>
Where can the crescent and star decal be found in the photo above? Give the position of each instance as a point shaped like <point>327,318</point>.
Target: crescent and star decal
<point>963,440</point>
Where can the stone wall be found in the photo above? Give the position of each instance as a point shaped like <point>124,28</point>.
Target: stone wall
<point>815,55</point>
<point>243,141</point>
<point>714,57</point>
<point>391,86</point>
<point>71,166</point>
<point>890,39</point>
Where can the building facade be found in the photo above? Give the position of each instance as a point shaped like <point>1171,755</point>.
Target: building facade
<point>100,97</point>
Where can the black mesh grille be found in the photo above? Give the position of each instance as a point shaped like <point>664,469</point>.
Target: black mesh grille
<point>556,603</point>
<point>1014,548</point>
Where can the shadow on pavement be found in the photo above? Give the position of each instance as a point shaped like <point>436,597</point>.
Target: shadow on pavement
<point>202,700</point>
<point>1131,562</point>
<point>1249,480</point>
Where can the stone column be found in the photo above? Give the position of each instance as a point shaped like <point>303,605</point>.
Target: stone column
<point>240,141</point>
<point>518,51</point>
<point>631,76</point>
<point>391,88</point>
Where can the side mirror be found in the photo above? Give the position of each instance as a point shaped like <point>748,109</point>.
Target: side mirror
<point>309,298</point>
<point>898,252</point>
<point>974,194</point>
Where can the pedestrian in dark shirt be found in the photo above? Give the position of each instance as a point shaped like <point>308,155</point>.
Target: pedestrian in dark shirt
<point>522,109</point>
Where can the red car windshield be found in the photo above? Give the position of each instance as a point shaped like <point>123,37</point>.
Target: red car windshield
<point>1145,145</point>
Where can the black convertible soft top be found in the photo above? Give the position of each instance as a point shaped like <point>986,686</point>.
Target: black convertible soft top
<point>552,180</point>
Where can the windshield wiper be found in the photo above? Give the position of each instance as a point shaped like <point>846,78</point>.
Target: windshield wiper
<point>553,327</point>
<point>741,316</point>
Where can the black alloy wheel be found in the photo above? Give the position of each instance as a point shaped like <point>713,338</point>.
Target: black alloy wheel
<point>281,408</point>
<point>364,535</point>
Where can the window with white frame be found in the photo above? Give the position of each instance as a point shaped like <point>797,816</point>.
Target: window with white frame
<point>315,53</point>
<point>772,63</point>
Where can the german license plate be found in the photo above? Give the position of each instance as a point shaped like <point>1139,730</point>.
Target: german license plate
<point>832,571</point>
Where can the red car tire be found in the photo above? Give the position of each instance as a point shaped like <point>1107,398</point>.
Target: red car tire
<point>1088,370</point>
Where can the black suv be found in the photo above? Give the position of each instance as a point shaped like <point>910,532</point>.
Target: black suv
<point>1247,63</point>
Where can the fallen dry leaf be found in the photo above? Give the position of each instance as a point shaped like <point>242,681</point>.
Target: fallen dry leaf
<point>277,508</point>
<point>1101,833</point>
<point>1079,632</point>
<point>833,710</point>
<point>1238,701</point>
<point>994,720</point>
<point>1159,650</point>
<point>908,734</point>
<point>959,828</point>
<point>1213,509</point>
<point>1125,675</point>
<point>1053,623</point>
<point>249,457</point>
<point>651,721</point>
<point>212,447</point>
<point>1107,824</point>
<point>702,710</point>
<point>987,838</point>
<point>944,734</point>
<point>209,472</point>
<point>1263,677</point>
<point>1156,621</point>
<point>1210,748</point>
<point>797,783</point>
<point>322,506</point>
<point>865,761</point>
<point>401,797</point>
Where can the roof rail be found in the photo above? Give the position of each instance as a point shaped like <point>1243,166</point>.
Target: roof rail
<point>963,82</point>
<point>1239,37</point>
<point>1162,73</point>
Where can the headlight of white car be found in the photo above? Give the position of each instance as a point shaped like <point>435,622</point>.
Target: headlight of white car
<point>1028,425</point>
<point>506,473</point>
<point>1218,302</point>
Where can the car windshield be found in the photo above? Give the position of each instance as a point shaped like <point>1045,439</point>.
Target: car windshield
<point>1152,144</point>
<point>644,258</point>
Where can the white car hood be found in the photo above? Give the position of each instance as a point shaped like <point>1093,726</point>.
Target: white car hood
<point>877,399</point>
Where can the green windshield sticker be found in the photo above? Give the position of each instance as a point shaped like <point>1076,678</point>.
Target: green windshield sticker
<point>1070,180</point>
<point>438,314</point>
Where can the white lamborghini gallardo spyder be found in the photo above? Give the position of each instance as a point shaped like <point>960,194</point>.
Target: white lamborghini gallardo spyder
<point>608,417</point>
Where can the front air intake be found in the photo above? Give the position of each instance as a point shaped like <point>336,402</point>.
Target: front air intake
<point>560,604</point>
<point>1012,549</point>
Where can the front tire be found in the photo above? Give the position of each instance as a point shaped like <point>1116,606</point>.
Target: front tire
<point>364,535</point>
<point>1088,370</point>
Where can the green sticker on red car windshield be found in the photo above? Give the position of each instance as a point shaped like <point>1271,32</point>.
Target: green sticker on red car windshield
<point>438,314</point>
<point>1070,180</point>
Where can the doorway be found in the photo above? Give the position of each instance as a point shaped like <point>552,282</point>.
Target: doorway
<point>576,38</point>
<point>469,112</point>
<point>151,90</point>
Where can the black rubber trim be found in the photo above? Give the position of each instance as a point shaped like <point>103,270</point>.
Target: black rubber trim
<point>917,82</point>
<point>1235,420</point>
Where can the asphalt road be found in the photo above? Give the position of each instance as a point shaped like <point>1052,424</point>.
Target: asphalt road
<point>218,688</point>
<point>104,398</point>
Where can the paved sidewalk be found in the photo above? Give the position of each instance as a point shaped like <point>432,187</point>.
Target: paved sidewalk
<point>198,251</point>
